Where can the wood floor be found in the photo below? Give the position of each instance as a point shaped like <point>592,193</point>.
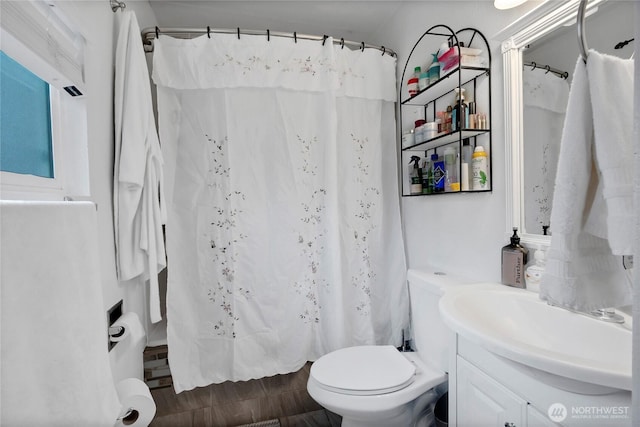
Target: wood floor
<point>281,400</point>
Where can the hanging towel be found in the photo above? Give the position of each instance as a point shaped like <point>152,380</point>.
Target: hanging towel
<point>139,211</point>
<point>611,89</point>
<point>54,359</point>
<point>581,271</point>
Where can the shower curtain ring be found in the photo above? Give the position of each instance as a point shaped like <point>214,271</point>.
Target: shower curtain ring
<point>342,43</point>
<point>383,50</point>
<point>268,35</point>
<point>548,69</point>
<point>295,37</point>
<point>362,46</point>
<point>534,66</point>
<point>208,31</point>
<point>157,32</point>
<point>238,33</point>
<point>324,39</point>
<point>565,75</point>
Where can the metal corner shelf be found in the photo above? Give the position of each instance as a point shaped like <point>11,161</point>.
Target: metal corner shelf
<point>446,139</point>
<point>437,94</point>
<point>439,88</point>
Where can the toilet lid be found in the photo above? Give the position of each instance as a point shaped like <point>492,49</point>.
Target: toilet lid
<point>363,370</point>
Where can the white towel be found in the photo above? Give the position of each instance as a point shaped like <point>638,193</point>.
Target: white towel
<point>139,211</point>
<point>611,89</point>
<point>55,363</point>
<point>581,271</point>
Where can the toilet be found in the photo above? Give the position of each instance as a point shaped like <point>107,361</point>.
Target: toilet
<point>378,385</point>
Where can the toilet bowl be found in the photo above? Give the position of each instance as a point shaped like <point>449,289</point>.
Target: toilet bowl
<point>380,386</point>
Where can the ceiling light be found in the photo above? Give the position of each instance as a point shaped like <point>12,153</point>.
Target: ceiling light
<point>507,4</point>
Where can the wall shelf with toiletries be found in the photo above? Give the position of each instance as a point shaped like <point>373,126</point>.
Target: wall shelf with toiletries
<point>445,107</point>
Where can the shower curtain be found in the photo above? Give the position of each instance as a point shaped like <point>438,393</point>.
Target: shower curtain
<point>283,228</point>
<point>545,97</point>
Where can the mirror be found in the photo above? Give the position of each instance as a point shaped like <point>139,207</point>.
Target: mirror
<point>536,97</point>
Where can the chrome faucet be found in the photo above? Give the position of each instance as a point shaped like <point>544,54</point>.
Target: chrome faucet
<point>606,315</point>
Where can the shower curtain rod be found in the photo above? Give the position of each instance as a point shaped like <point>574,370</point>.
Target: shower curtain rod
<point>559,73</point>
<point>150,33</point>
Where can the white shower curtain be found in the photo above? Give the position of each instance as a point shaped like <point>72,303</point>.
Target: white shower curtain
<point>545,97</point>
<point>283,230</point>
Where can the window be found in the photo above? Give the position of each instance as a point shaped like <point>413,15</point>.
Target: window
<point>43,134</point>
<point>25,121</point>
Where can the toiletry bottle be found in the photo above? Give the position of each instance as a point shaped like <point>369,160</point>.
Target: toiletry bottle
<point>479,169</point>
<point>430,181</point>
<point>423,80</point>
<point>514,258</point>
<point>434,70</point>
<point>427,176</point>
<point>408,138</point>
<point>459,110</point>
<point>451,170</point>
<point>415,176</point>
<point>465,168</point>
<point>472,116</point>
<point>448,125</point>
<point>533,273</point>
<point>412,83</point>
<point>438,173</point>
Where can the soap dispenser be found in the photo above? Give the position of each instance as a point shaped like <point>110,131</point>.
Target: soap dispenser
<point>514,258</point>
<point>534,272</point>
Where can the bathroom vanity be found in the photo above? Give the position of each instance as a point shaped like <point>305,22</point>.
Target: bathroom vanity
<point>516,361</point>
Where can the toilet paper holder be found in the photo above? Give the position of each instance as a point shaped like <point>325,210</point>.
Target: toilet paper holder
<point>114,314</point>
<point>116,331</point>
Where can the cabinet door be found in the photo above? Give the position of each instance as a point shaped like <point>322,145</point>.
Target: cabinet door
<point>483,402</point>
<point>536,418</point>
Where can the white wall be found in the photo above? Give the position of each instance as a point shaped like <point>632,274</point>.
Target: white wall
<point>461,233</point>
<point>99,26</point>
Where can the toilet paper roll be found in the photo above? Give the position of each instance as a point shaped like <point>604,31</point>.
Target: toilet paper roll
<point>138,407</point>
<point>132,327</point>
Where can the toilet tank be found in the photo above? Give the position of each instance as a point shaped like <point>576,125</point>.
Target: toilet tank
<point>430,335</point>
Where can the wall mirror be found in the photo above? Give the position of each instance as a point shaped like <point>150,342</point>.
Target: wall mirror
<point>539,52</point>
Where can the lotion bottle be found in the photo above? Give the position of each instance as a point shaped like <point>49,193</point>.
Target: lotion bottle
<point>514,258</point>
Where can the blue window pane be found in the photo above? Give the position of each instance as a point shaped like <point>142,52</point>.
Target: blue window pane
<point>25,121</point>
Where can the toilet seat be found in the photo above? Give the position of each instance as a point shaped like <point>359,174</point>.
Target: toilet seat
<point>363,370</point>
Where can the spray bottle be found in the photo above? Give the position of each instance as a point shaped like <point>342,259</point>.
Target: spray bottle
<point>415,176</point>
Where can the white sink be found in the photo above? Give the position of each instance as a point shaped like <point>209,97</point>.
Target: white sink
<point>515,324</point>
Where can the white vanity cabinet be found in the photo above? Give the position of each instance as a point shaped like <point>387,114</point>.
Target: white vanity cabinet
<point>482,401</point>
<point>487,390</point>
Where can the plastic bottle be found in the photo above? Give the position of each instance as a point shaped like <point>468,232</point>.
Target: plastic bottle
<point>412,83</point>
<point>514,258</point>
<point>427,176</point>
<point>448,123</point>
<point>438,173</point>
<point>465,168</point>
<point>479,169</point>
<point>423,80</point>
<point>415,176</point>
<point>434,70</point>
<point>451,170</point>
